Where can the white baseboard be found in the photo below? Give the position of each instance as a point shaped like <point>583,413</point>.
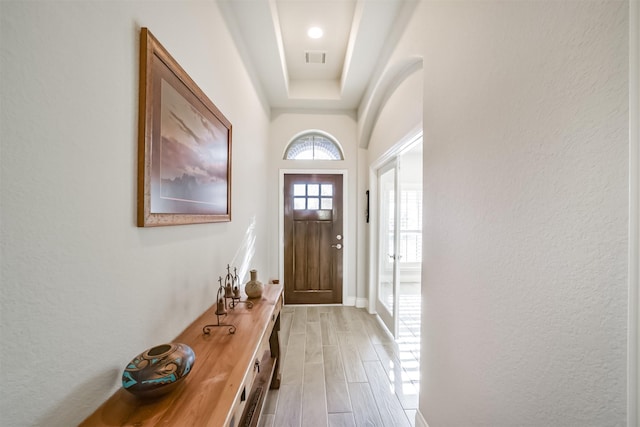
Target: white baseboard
<point>362,302</point>
<point>349,301</point>
<point>420,421</point>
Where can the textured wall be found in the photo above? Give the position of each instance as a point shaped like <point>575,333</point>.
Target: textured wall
<point>83,290</point>
<point>526,210</point>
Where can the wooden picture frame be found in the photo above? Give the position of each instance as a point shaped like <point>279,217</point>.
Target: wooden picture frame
<point>184,145</point>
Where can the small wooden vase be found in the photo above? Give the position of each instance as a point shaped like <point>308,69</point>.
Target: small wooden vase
<point>254,287</point>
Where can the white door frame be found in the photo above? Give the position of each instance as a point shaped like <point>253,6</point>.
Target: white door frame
<point>346,233</point>
<point>391,317</point>
<point>405,144</point>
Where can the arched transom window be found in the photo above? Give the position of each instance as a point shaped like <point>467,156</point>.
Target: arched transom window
<point>313,146</point>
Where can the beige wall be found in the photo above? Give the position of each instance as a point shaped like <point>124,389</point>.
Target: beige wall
<point>526,195</point>
<point>526,200</point>
<point>398,121</point>
<point>83,290</point>
<point>526,212</point>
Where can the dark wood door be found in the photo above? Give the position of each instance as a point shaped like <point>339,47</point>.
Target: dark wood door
<point>313,239</point>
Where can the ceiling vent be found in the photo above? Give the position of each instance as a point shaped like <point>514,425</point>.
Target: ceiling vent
<point>315,57</point>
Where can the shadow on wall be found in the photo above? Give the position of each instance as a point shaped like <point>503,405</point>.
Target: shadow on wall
<point>83,400</point>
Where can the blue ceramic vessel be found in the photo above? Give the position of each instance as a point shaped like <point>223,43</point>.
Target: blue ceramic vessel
<point>158,370</point>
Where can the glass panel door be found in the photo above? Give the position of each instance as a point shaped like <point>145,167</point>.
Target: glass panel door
<point>388,244</point>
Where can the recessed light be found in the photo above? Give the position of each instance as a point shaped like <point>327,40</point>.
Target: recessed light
<point>315,32</point>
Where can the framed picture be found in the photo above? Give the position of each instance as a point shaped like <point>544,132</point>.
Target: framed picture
<point>184,145</point>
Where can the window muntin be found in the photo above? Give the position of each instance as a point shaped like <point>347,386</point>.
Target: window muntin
<point>410,225</point>
<point>312,196</point>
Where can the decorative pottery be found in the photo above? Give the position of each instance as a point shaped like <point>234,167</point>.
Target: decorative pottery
<point>158,370</point>
<point>254,287</point>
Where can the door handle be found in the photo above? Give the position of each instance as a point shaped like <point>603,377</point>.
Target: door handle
<point>338,246</point>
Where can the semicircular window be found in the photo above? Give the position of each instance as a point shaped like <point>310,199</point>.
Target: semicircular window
<point>313,146</point>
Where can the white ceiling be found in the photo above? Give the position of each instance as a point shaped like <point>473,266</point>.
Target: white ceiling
<point>271,36</point>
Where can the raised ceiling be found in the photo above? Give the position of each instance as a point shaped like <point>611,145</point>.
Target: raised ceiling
<point>287,65</point>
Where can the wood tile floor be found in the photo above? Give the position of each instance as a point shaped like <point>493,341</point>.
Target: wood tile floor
<point>341,368</point>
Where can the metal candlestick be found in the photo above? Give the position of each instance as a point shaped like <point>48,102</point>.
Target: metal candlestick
<point>221,310</point>
<point>235,293</point>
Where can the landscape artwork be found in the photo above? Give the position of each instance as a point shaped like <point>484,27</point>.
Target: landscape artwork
<point>193,159</point>
<point>184,146</point>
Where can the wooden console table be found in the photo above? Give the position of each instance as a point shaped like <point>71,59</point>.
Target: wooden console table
<point>229,379</point>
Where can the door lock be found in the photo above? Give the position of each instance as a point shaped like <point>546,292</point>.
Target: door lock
<point>338,246</point>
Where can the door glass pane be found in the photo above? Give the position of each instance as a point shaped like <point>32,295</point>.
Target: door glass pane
<point>299,189</point>
<point>326,203</point>
<point>307,196</point>
<point>387,239</point>
<point>313,203</point>
<point>299,203</point>
<point>313,189</point>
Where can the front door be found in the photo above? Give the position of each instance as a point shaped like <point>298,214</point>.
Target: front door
<point>313,239</point>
